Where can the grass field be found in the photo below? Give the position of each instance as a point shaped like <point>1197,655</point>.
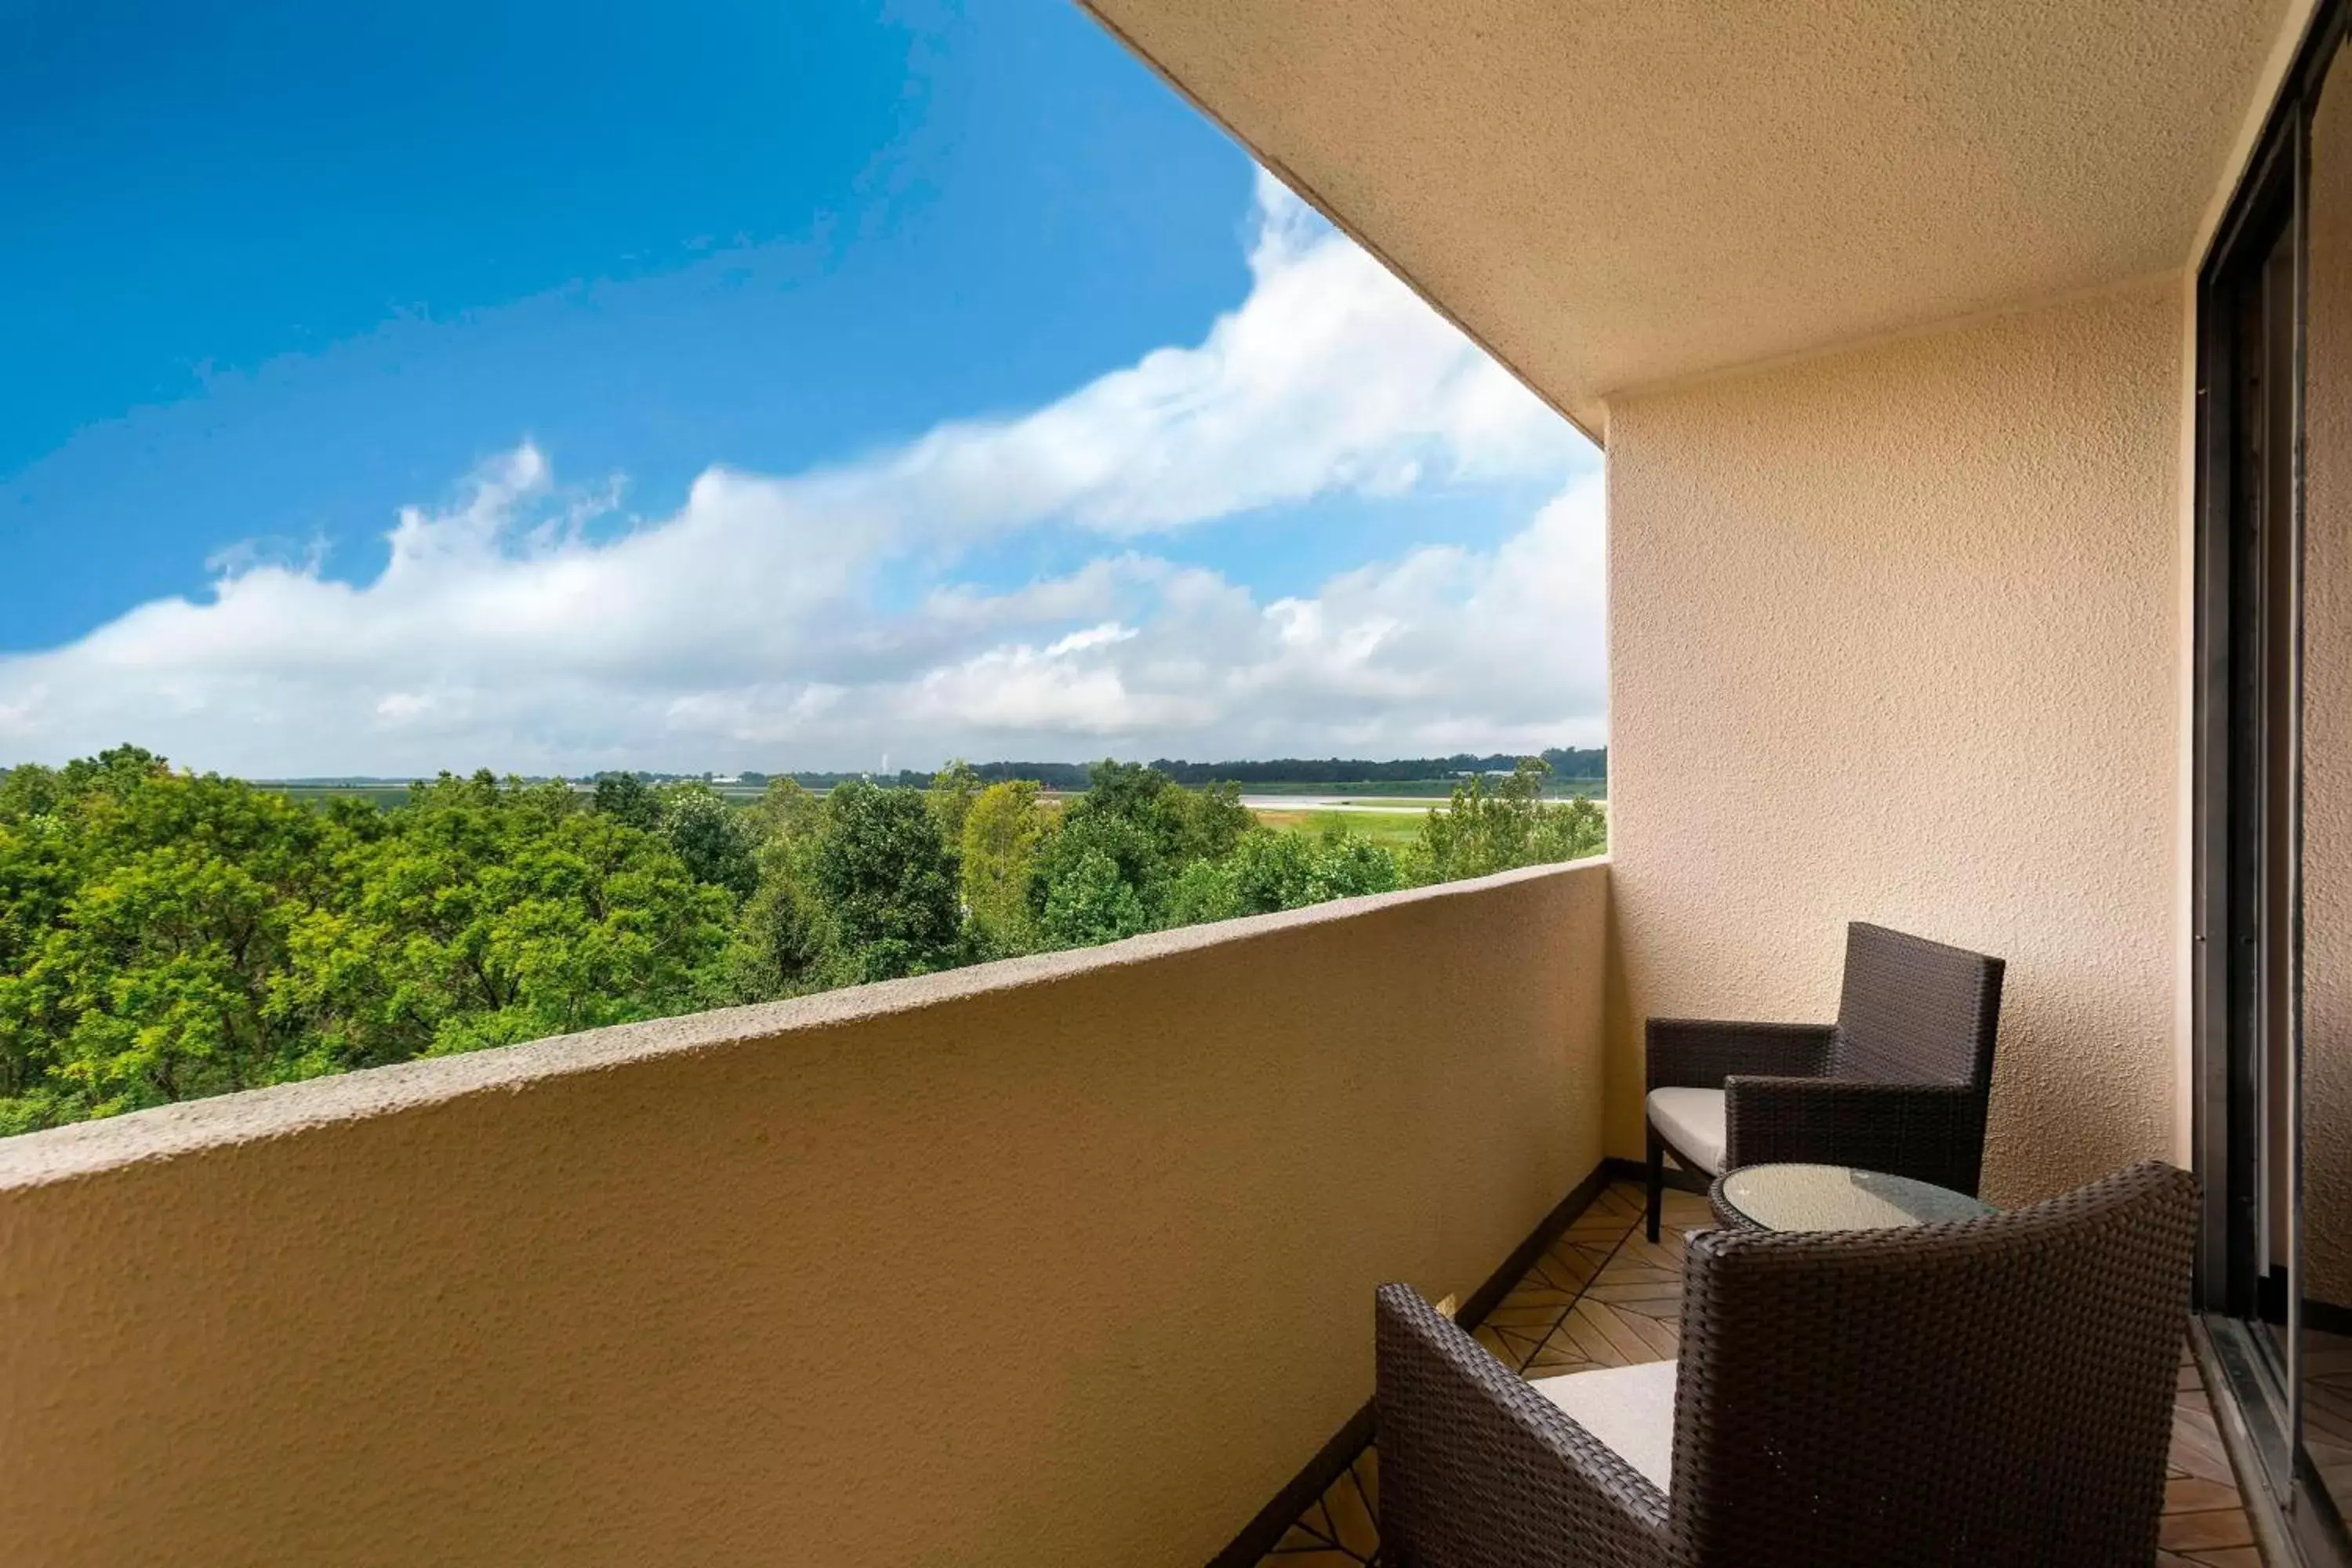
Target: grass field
<point>1439,789</point>
<point>1394,828</point>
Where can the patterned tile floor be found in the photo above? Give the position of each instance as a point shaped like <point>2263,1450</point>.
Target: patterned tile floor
<point>1603,1296</point>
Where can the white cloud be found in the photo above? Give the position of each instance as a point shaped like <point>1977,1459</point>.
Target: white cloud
<point>401,705</point>
<point>1332,376</point>
<point>743,629</point>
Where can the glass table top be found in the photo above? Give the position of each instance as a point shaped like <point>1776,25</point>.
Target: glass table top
<point>1839,1198</point>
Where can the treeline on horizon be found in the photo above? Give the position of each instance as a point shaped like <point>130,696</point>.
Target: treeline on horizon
<point>1568,765</point>
<point>166,935</point>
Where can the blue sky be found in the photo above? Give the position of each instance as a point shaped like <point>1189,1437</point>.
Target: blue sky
<point>753,386</point>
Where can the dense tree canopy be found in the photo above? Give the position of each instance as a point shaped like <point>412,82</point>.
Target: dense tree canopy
<point>887,880</point>
<point>165,935</point>
<point>1001,832</point>
<point>169,935</point>
<point>1487,828</point>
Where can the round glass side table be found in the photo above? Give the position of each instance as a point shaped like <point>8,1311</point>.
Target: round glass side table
<point>1834,1198</point>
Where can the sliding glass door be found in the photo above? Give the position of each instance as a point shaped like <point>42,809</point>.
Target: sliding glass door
<point>2273,870</point>
<point>2322,1262</point>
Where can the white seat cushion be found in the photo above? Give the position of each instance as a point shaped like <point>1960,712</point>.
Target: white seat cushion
<point>1631,1408</point>
<point>1691,1120</point>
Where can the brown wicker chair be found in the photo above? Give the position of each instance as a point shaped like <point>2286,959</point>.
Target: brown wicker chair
<point>1994,1392</point>
<point>1897,1084</point>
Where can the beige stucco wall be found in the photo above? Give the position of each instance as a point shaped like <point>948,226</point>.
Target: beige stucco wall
<point>1036,1263</point>
<point>1894,638</point>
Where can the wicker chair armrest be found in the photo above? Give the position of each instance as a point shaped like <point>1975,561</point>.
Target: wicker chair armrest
<point>1477,1467</point>
<point>1700,1053</point>
<point>1931,1132</point>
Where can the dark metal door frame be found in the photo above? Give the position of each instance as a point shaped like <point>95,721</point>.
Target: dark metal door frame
<point>2237,737</point>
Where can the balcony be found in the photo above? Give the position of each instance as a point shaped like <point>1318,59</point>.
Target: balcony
<point>1909,329</point>
<point>1947,589</point>
<point>1064,1259</point>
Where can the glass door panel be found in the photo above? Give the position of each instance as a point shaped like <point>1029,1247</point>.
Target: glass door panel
<point>2323,1255</point>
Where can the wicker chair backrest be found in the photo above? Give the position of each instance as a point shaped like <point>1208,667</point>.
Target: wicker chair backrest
<point>1994,1392</point>
<point>1915,1011</point>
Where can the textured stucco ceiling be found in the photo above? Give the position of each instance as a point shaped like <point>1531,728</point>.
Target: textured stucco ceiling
<point>1623,194</point>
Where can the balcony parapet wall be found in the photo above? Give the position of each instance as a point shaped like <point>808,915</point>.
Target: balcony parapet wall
<point>1029,1262</point>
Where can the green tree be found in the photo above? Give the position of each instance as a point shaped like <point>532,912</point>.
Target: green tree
<point>1269,870</point>
<point>117,770</point>
<point>1204,891</point>
<point>626,797</point>
<point>1568,832</point>
<point>1149,826</point>
<point>1078,836</point>
<point>27,791</point>
<point>1347,865</point>
<point>955,789</point>
<point>487,915</point>
<point>888,883</point>
<point>1179,824</point>
<point>1090,902</point>
<point>1127,790</point>
<point>783,942</point>
<point>703,829</point>
<point>146,922</point>
<point>1202,824</point>
<point>1273,870</point>
<point>782,938</point>
<point>1484,830</point>
<point>785,811</point>
<point>44,856</point>
<point>1001,832</point>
